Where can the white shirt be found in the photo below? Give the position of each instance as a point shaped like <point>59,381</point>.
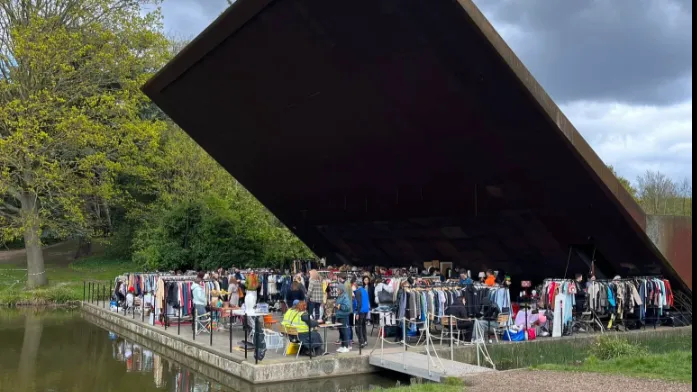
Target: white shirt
<point>380,287</point>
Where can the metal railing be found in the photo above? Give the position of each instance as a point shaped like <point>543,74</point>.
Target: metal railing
<point>95,293</point>
<point>434,360</point>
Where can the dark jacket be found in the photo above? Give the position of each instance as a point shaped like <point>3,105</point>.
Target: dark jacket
<point>371,293</point>
<point>295,294</point>
<point>459,311</point>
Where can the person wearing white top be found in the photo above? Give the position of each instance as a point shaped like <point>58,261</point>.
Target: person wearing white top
<point>382,286</point>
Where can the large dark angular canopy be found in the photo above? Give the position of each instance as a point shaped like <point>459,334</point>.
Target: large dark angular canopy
<point>394,132</point>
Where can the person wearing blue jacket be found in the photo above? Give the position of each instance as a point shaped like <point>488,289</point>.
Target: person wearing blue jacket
<point>361,304</point>
<point>343,312</point>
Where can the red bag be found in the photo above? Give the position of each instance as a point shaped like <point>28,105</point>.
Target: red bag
<point>532,334</point>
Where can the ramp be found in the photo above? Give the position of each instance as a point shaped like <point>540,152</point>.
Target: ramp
<point>417,365</point>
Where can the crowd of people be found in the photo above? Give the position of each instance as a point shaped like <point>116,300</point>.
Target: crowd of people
<point>345,299</point>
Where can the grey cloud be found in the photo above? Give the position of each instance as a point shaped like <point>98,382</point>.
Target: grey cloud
<point>187,18</point>
<point>631,51</point>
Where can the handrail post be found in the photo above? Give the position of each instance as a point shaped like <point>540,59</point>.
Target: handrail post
<point>382,340</point>
<point>404,342</point>
<point>164,316</point>
<point>245,328</point>
<point>452,344</point>
<point>428,352</point>
<point>179,324</point>
<point>193,323</point>
<point>84,291</point>
<point>230,313</point>
<point>104,296</point>
<point>404,333</point>
<point>210,323</point>
<point>109,295</point>
<point>257,339</point>
<point>310,341</point>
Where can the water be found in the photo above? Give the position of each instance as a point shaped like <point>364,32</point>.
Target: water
<point>58,351</point>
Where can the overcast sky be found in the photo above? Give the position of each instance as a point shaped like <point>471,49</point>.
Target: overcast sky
<point>621,70</point>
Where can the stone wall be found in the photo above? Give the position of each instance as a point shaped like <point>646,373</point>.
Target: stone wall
<point>302,369</point>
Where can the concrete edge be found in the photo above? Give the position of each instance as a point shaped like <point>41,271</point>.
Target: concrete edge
<point>256,374</point>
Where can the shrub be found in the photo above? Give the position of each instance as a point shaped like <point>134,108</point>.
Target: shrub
<point>611,347</point>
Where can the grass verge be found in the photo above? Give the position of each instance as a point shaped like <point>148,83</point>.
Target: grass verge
<point>573,351</point>
<point>449,385</point>
<point>674,366</point>
<point>65,281</point>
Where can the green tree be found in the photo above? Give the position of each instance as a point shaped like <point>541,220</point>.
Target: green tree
<point>625,182</point>
<point>660,195</point>
<point>71,113</point>
<point>204,218</point>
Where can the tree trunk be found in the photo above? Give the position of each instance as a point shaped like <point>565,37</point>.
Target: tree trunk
<point>36,273</point>
<point>107,213</point>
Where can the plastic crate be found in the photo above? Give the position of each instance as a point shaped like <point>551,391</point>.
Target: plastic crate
<point>273,340</point>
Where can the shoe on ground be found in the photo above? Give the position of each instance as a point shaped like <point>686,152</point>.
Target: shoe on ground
<point>342,350</point>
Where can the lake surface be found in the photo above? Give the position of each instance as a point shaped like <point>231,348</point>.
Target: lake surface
<point>58,351</point>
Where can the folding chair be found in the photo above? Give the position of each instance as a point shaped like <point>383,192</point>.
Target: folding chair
<point>502,322</point>
<point>293,341</point>
<point>204,323</point>
<point>445,322</point>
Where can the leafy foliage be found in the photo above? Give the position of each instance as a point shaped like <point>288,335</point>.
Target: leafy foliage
<point>70,120</point>
<point>658,194</point>
<point>611,347</point>
<point>84,153</point>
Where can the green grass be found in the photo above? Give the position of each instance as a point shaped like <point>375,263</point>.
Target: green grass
<point>575,350</point>
<point>449,385</point>
<point>673,366</point>
<point>65,279</point>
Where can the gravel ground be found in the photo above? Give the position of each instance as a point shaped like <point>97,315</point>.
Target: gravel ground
<point>531,380</point>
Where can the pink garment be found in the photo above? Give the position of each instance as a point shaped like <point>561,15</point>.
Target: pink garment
<point>532,318</point>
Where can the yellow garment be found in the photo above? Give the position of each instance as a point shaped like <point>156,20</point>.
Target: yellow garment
<point>293,319</point>
<point>325,284</point>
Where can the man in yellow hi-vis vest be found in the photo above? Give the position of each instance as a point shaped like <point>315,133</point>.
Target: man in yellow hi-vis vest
<point>298,318</point>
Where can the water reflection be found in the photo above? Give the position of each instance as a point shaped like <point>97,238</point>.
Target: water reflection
<point>165,374</point>
<point>60,352</point>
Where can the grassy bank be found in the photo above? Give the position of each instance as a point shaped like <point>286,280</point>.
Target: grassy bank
<point>617,355</point>
<point>575,350</point>
<point>674,366</point>
<point>65,277</point>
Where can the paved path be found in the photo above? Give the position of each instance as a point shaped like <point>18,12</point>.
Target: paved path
<point>531,380</point>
